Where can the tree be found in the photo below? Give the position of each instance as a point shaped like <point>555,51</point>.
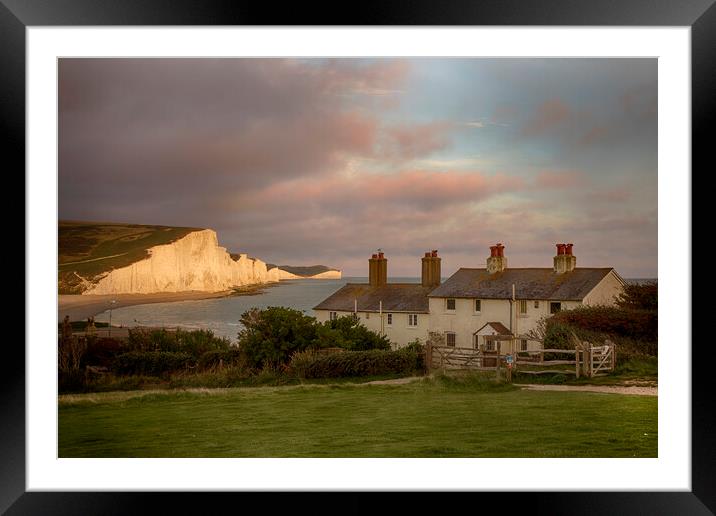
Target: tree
<point>642,296</point>
<point>348,332</point>
<point>269,337</point>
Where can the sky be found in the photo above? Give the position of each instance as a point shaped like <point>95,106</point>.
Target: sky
<point>324,161</point>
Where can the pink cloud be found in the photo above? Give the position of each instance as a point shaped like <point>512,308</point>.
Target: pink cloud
<point>415,140</point>
<point>559,180</point>
<point>548,116</point>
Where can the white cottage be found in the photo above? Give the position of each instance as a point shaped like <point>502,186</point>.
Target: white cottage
<point>473,302</point>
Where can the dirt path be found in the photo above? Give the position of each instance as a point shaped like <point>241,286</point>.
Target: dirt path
<point>610,389</point>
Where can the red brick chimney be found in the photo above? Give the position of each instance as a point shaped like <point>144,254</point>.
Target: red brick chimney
<point>431,269</point>
<point>378,270</point>
<point>564,261</point>
<point>497,261</point>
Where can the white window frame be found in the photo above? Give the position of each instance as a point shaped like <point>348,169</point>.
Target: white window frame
<point>474,305</point>
<point>522,302</point>
<point>536,304</point>
<point>367,315</point>
<point>555,303</point>
<point>454,341</point>
<point>450,310</point>
<point>389,319</point>
<point>491,343</point>
<point>524,345</point>
<point>411,318</point>
<point>332,316</point>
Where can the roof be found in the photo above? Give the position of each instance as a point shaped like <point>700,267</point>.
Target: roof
<point>530,283</point>
<point>396,297</point>
<point>500,328</point>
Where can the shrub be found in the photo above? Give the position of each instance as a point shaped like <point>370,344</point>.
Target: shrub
<point>194,342</point>
<point>639,296</point>
<point>102,350</point>
<point>153,363</point>
<point>227,357</point>
<point>348,332</point>
<point>635,324</point>
<point>269,337</point>
<point>355,363</point>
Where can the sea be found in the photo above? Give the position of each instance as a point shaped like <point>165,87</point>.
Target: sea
<point>221,315</point>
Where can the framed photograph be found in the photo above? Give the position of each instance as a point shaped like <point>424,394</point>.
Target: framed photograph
<point>188,167</point>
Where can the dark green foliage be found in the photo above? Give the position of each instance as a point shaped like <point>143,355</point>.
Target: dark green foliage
<point>358,363</point>
<point>151,363</point>
<point>639,296</point>
<point>71,381</point>
<point>101,351</point>
<point>347,332</point>
<point>272,335</point>
<point>195,343</point>
<point>226,357</point>
<point>634,324</point>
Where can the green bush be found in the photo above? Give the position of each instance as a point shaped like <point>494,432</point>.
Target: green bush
<point>269,337</point>
<point>101,351</point>
<point>227,357</point>
<point>195,342</point>
<point>642,296</point>
<point>152,363</point>
<point>611,320</point>
<point>355,363</point>
<point>347,332</point>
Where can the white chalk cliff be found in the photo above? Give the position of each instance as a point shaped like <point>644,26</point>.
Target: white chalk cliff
<point>194,262</point>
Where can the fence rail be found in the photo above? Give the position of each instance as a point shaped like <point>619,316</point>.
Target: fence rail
<point>588,360</point>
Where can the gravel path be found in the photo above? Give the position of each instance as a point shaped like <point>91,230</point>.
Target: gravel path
<point>611,389</point>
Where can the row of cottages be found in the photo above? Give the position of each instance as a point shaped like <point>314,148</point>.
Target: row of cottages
<point>473,302</point>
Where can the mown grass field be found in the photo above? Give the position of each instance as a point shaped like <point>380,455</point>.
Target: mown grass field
<point>429,418</point>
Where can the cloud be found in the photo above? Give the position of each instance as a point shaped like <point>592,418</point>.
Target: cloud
<point>548,116</point>
<point>559,180</point>
<point>406,142</point>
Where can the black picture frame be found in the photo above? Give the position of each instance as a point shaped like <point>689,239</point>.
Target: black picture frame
<point>17,15</point>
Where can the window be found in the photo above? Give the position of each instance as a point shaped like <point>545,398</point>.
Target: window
<point>523,345</point>
<point>536,304</point>
<point>412,319</point>
<point>332,316</point>
<point>450,304</point>
<point>367,315</point>
<point>489,345</point>
<point>390,319</point>
<point>476,341</point>
<point>555,307</point>
<point>450,339</point>
<point>523,306</point>
<point>478,305</point>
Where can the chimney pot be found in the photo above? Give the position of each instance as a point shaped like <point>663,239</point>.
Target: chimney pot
<point>375,256</point>
<point>380,255</point>
<point>568,249</point>
<point>427,254</point>
<point>560,249</point>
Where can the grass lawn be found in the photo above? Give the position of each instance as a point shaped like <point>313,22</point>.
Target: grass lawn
<point>429,418</point>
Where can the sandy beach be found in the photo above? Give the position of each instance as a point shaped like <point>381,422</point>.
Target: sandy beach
<point>80,307</point>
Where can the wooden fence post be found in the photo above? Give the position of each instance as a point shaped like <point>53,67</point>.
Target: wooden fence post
<point>576,361</point>
<point>497,361</point>
<point>428,356</point>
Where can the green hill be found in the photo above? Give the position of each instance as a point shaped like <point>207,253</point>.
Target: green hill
<point>87,249</point>
<point>310,270</point>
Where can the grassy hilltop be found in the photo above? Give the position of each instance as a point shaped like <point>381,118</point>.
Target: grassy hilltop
<point>307,271</point>
<point>88,249</point>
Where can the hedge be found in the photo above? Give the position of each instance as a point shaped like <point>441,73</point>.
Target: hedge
<point>356,363</point>
<point>152,363</point>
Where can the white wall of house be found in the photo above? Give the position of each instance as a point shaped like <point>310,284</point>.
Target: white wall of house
<point>606,291</point>
<point>399,332</point>
<point>464,321</point>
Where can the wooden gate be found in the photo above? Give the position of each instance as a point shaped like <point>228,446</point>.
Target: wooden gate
<point>602,358</point>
